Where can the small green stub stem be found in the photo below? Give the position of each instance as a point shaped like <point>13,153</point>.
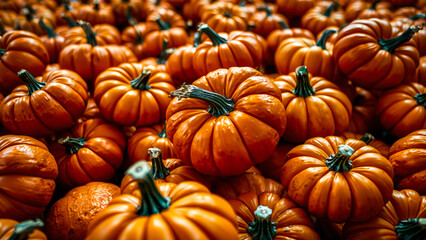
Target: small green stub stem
<point>421,99</point>
<point>374,5</point>
<point>159,171</point>
<point>262,228</point>
<point>340,161</point>
<point>164,26</point>
<point>31,83</point>
<point>303,86</point>
<point>2,52</point>
<point>367,138</point>
<point>72,144</point>
<point>411,229</point>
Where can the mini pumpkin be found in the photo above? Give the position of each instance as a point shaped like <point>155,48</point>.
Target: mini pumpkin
<point>11,229</point>
<point>225,17</point>
<point>53,42</point>
<point>324,14</point>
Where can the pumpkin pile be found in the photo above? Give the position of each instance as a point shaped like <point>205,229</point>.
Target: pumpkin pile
<point>204,119</point>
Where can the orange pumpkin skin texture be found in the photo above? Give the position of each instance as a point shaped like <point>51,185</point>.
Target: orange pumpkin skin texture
<point>290,221</point>
<point>7,229</point>
<point>266,21</point>
<point>324,14</point>
<point>356,7</point>
<point>314,106</point>
<point>295,7</point>
<point>29,17</point>
<point>225,17</point>
<point>79,157</point>
<point>91,111</point>
<point>8,17</point>
<point>421,71</point>
<point>381,146</point>
<point>272,167</point>
<point>402,110</point>
<point>336,184</point>
<point>145,88</point>
<point>69,217</point>
<point>363,112</point>
<point>358,54</point>
<point>218,52</point>
<point>51,103</point>
<point>374,12</point>
<point>53,42</point>
<point>22,50</point>
<point>133,38</point>
<point>26,177</point>
<point>404,205</point>
<point>407,156</point>
<point>105,35</point>
<point>98,13</point>
<point>167,211</point>
<point>147,137</point>
<point>217,139</point>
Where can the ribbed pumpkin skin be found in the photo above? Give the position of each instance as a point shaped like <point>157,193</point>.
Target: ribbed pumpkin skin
<point>27,173</point>
<point>7,227</point>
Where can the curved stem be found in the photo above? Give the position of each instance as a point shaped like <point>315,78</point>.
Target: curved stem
<point>163,25</point>
<point>282,24</point>
<point>49,30</point>
<point>262,228</point>
<point>31,83</point>
<point>141,82</point>
<point>323,39</point>
<point>72,144</point>
<point>130,19</point>
<point>214,37</point>
<point>374,5</point>
<point>197,39</point>
<point>418,16</point>
<point>391,44</point>
<point>23,229</point>
<point>218,104</point>
<point>139,38</point>
<point>163,133</point>
<point>340,162</point>
<point>71,23</point>
<point>333,7</point>
<point>165,52</point>
<point>411,229</point>
<point>159,171</point>
<point>90,34</point>
<point>2,29</point>
<point>266,9</point>
<point>367,138</point>
<point>421,99</point>
<point>303,87</point>
<point>152,200</point>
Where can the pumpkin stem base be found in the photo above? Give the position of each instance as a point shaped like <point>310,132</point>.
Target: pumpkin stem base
<point>31,83</point>
<point>303,87</point>
<point>159,171</point>
<point>72,144</point>
<point>340,162</point>
<point>163,133</point>
<point>367,138</point>
<point>2,52</point>
<point>412,229</point>
<point>323,39</point>
<point>391,44</point>
<point>333,7</point>
<point>23,229</point>
<point>141,82</point>
<point>262,228</point>
<point>421,99</point>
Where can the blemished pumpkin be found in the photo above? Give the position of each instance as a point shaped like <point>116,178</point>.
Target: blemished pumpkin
<point>407,156</point>
<point>47,104</point>
<point>403,217</point>
<point>269,216</point>
<point>27,176</point>
<point>69,217</point>
<point>92,150</point>
<point>338,180</point>
<point>211,122</point>
<point>167,211</point>
<point>28,230</point>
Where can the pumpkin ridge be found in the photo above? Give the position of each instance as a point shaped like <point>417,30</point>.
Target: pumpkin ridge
<point>211,144</point>
<point>402,115</point>
<point>59,103</point>
<point>241,137</point>
<point>36,116</point>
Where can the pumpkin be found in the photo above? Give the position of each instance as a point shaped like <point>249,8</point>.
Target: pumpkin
<point>314,106</point>
<point>29,20</point>
<point>250,181</point>
<point>372,56</point>
<point>369,139</point>
<point>421,71</point>
<point>164,18</point>
<point>403,217</point>
<point>48,104</point>
<point>354,8</point>
<point>167,211</point>
<point>402,2</point>
<point>89,59</point>
<point>133,83</point>
<point>265,21</point>
<point>164,170</point>
<point>51,4</point>
<point>147,137</point>
<point>26,177</point>
<point>160,63</point>
<point>69,217</point>
<point>91,111</point>
<point>374,12</point>
<point>407,156</point>
<point>18,50</point>
<point>338,180</point>
<point>406,12</point>
<point>268,216</point>
<point>66,9</point>
<point>191,10</point>
<point>81,159</point>
<point>8,17</point>
<point>133,37</point>
<point>211,128</point>
<point>317,57</point>
<point>363,112</point>
<point>11,229</point>
<point>99,13</point>
<point>224,17</point>
<point>332,38</point>
<point>53,42</point>
<point>120,9</point>
<point>295,7</point>
<point>105,34</point>
<point>13,5</point>
<point>324,14</point>
<point>402,110</point>
<point>272,167</point>
<point>218,51</point>
<point>152,6</point>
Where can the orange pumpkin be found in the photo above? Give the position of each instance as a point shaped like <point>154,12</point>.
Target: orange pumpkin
<point>8,17</point>
<point>265,21</point>
<point>324,14</point>
<point>364,117</point>
<point>69,217</point>
<point>225,17</point>
<point>99,13</point>
<point>421,71</point>
<point>369,139</point>
<point>167,211</point>
<point>28,230</point>
<point>26,177</point>
<point>53,42</point>
<point>295,7</point>
<point>105,34</point>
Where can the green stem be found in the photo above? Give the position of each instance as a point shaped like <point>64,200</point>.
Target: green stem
<point>323,39</point>
<point>25,228</point>
<point>418,16</point>
<point>197,39</point>
<point>303,87</point>
<point>282,24</point>
<point>266,9</point>
<point>333,7</point>
<point>96,5</point>
<point>340,162</point>
<point>374,5</point>
<point>411,229</point>
<point>2,29</point>
<point>163,25</point>
<point>139,38</point>
<point>165,52</point>
<point>72,144</point>
<point>32,84</point>
<point>141,82</point>
<point>163,133</point>
<point>71,23</point>
<point>391,44</point>
<point>2,51</point>
<point>262,228</point>
<point>214,37</point>
<point>367,138</point>
<point>218,104</point>
<point>49,30</point>
<point>90,34</point>
<point>159,171</point>
<point>28,15</point>
<point>125,1</point>
<point>152,200</point>
<point>421,99</point>
<point>130,19</point>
